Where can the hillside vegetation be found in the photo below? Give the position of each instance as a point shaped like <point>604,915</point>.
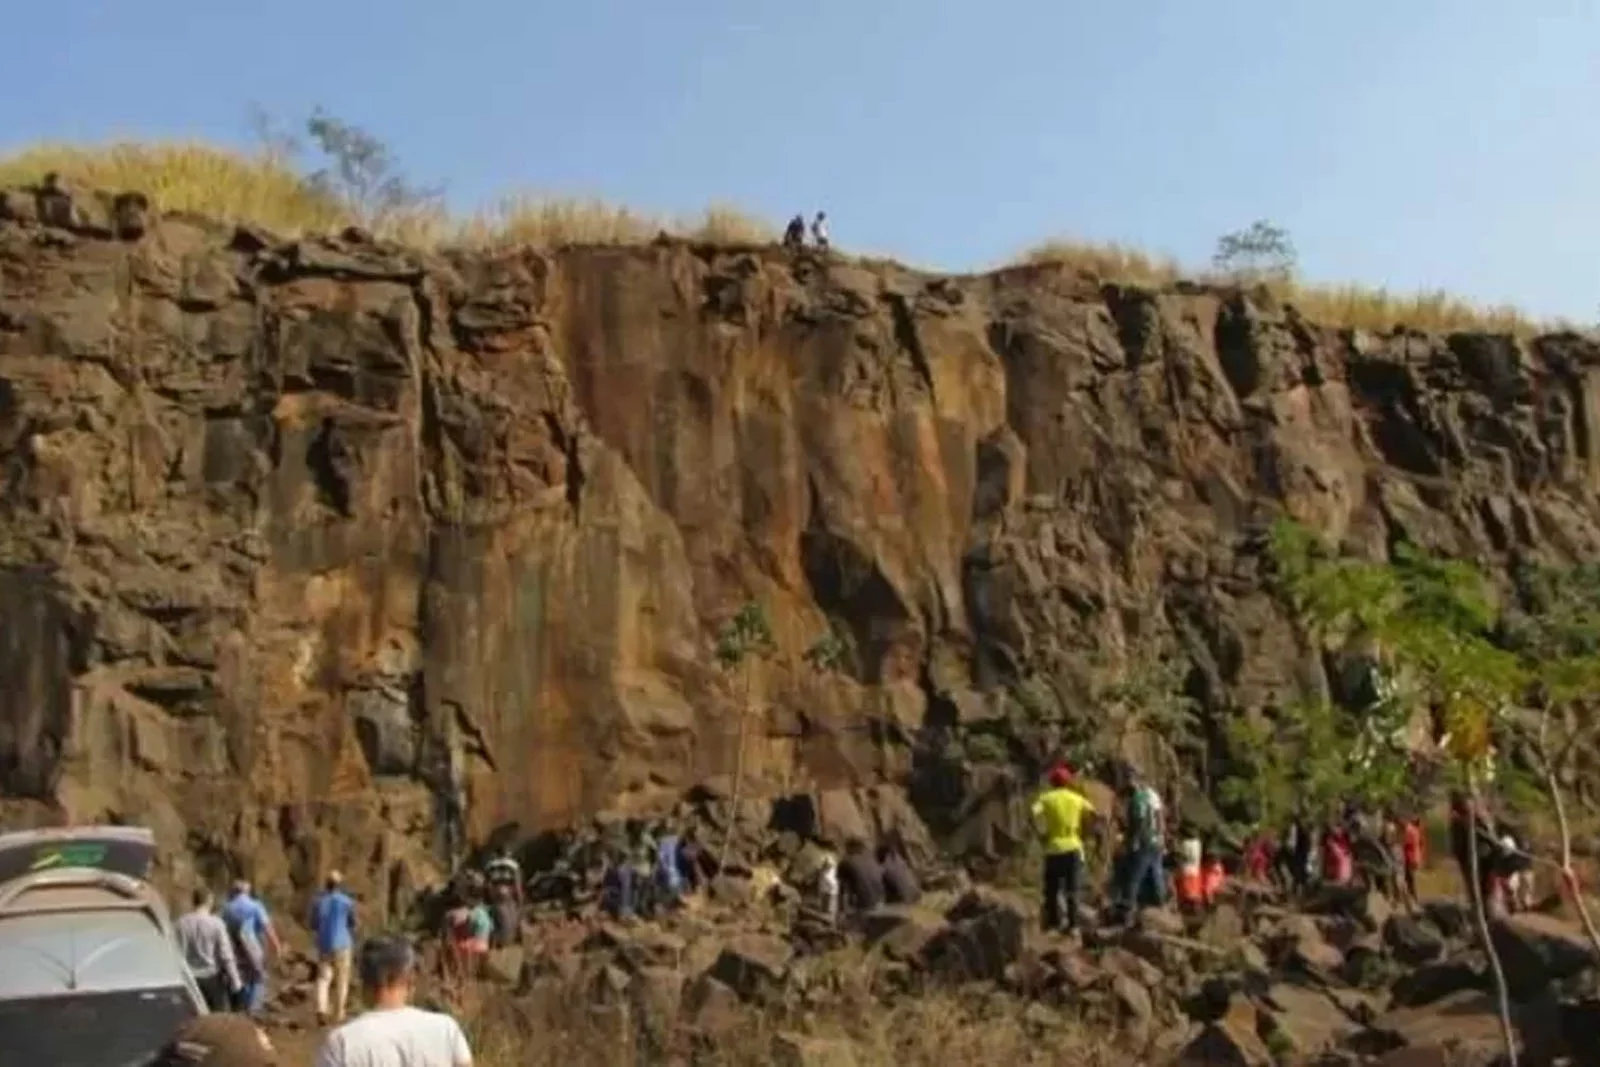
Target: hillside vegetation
<point>269,189</point>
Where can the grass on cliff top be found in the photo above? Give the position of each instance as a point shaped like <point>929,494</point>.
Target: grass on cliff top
<point>267,191</point>
<point>1354,306</point>
<point>260,189</point>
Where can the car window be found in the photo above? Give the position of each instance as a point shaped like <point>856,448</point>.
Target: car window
<point>53,952</point>
<point>124,1029</point>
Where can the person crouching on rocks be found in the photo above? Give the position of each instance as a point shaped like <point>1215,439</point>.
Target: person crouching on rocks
<point>1058,816</point>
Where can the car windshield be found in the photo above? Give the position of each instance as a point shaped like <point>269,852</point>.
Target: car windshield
<point>127,1028</point>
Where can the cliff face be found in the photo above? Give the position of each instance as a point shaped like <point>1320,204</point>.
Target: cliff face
<point>298,541</point>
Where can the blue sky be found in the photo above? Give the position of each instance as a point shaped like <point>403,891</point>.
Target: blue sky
<point>1411,143</point>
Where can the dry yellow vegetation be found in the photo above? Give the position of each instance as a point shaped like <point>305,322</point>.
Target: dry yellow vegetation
<point>1354,306</point>
<point>266,190</point>
<point>939,1028</point>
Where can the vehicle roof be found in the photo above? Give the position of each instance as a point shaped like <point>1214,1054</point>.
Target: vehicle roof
<point>100,950</point>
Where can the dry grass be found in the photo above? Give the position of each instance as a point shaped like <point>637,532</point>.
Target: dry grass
<point>1351,306</point>
<point>185,176</point>
<point>1108,262</point>
<point>548,222</point>
<point>265,190</point>
<point>237,187</point>
<point>932,1029</point>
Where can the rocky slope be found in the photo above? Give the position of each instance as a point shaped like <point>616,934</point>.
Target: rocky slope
<point>305,545</point>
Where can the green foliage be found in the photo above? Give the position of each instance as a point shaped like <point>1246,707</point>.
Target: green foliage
<point>986,748</point>
<point>1147,695</point>
<point>744,635</point>
<point>1431,624</point>
<point>1261,250</point>
<point>1310,756</point>
<point>831,651</point>
<point>362,171</point>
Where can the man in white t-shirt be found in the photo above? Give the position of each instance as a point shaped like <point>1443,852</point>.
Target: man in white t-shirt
<point>393,1033</point>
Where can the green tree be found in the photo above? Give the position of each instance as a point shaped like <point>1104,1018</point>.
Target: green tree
<point>740,641</point>
<point>1429,625</point>
<point>359,171</point>
<point>1262,250</point>
<point>1556,630</point>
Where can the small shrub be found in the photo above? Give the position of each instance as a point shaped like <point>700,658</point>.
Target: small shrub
<point>1261,250</point>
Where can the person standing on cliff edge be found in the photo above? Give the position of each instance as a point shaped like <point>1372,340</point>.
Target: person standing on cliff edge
<point>819,231</point>
<point>1058,815</point>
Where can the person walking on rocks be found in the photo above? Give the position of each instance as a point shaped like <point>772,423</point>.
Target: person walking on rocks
<point>333,921</point>
<point>1297,852</point>
<point>1058,815</point>
<point>392,1033</point>
<point>208,950</point>
<point>1144,878</point>
<point>254,937</point>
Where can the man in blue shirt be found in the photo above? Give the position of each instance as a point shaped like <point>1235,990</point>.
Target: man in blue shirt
<point>333,921</point>
<point>251,929</point>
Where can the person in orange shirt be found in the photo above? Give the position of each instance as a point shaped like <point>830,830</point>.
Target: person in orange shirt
<point>1411,858</point>
<point>1190,877</point>
<point>1212,878</point>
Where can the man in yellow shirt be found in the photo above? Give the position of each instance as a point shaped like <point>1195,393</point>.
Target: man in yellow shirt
<point>1058,816</point>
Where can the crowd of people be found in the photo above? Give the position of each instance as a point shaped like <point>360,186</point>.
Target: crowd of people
<point>1381,850</point>
<point>661,870</point>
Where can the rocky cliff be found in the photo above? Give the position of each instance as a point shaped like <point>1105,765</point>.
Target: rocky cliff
<point>306,545</point>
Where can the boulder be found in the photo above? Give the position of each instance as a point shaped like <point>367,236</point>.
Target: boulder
<point>1464,1024</point>
<point>753,965</point>
<point>1536,950</point>
<point>983,938</point>
<point>901,931</point>
<point>1435,981</point>
<point>1135,1007</point>
<point>1413,941</point>
<point>1308,1020</point>
<point>1313,957</point>
<point>1451,918</point>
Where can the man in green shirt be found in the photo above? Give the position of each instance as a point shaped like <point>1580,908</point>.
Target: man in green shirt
<point>1058,817</point>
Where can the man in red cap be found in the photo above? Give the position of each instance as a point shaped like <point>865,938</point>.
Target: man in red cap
<point>1058,816</point>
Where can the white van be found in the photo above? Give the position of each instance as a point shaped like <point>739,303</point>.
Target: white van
<point>90,975</point>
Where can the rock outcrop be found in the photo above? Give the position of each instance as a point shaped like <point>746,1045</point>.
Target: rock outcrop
<point>327,551</point>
